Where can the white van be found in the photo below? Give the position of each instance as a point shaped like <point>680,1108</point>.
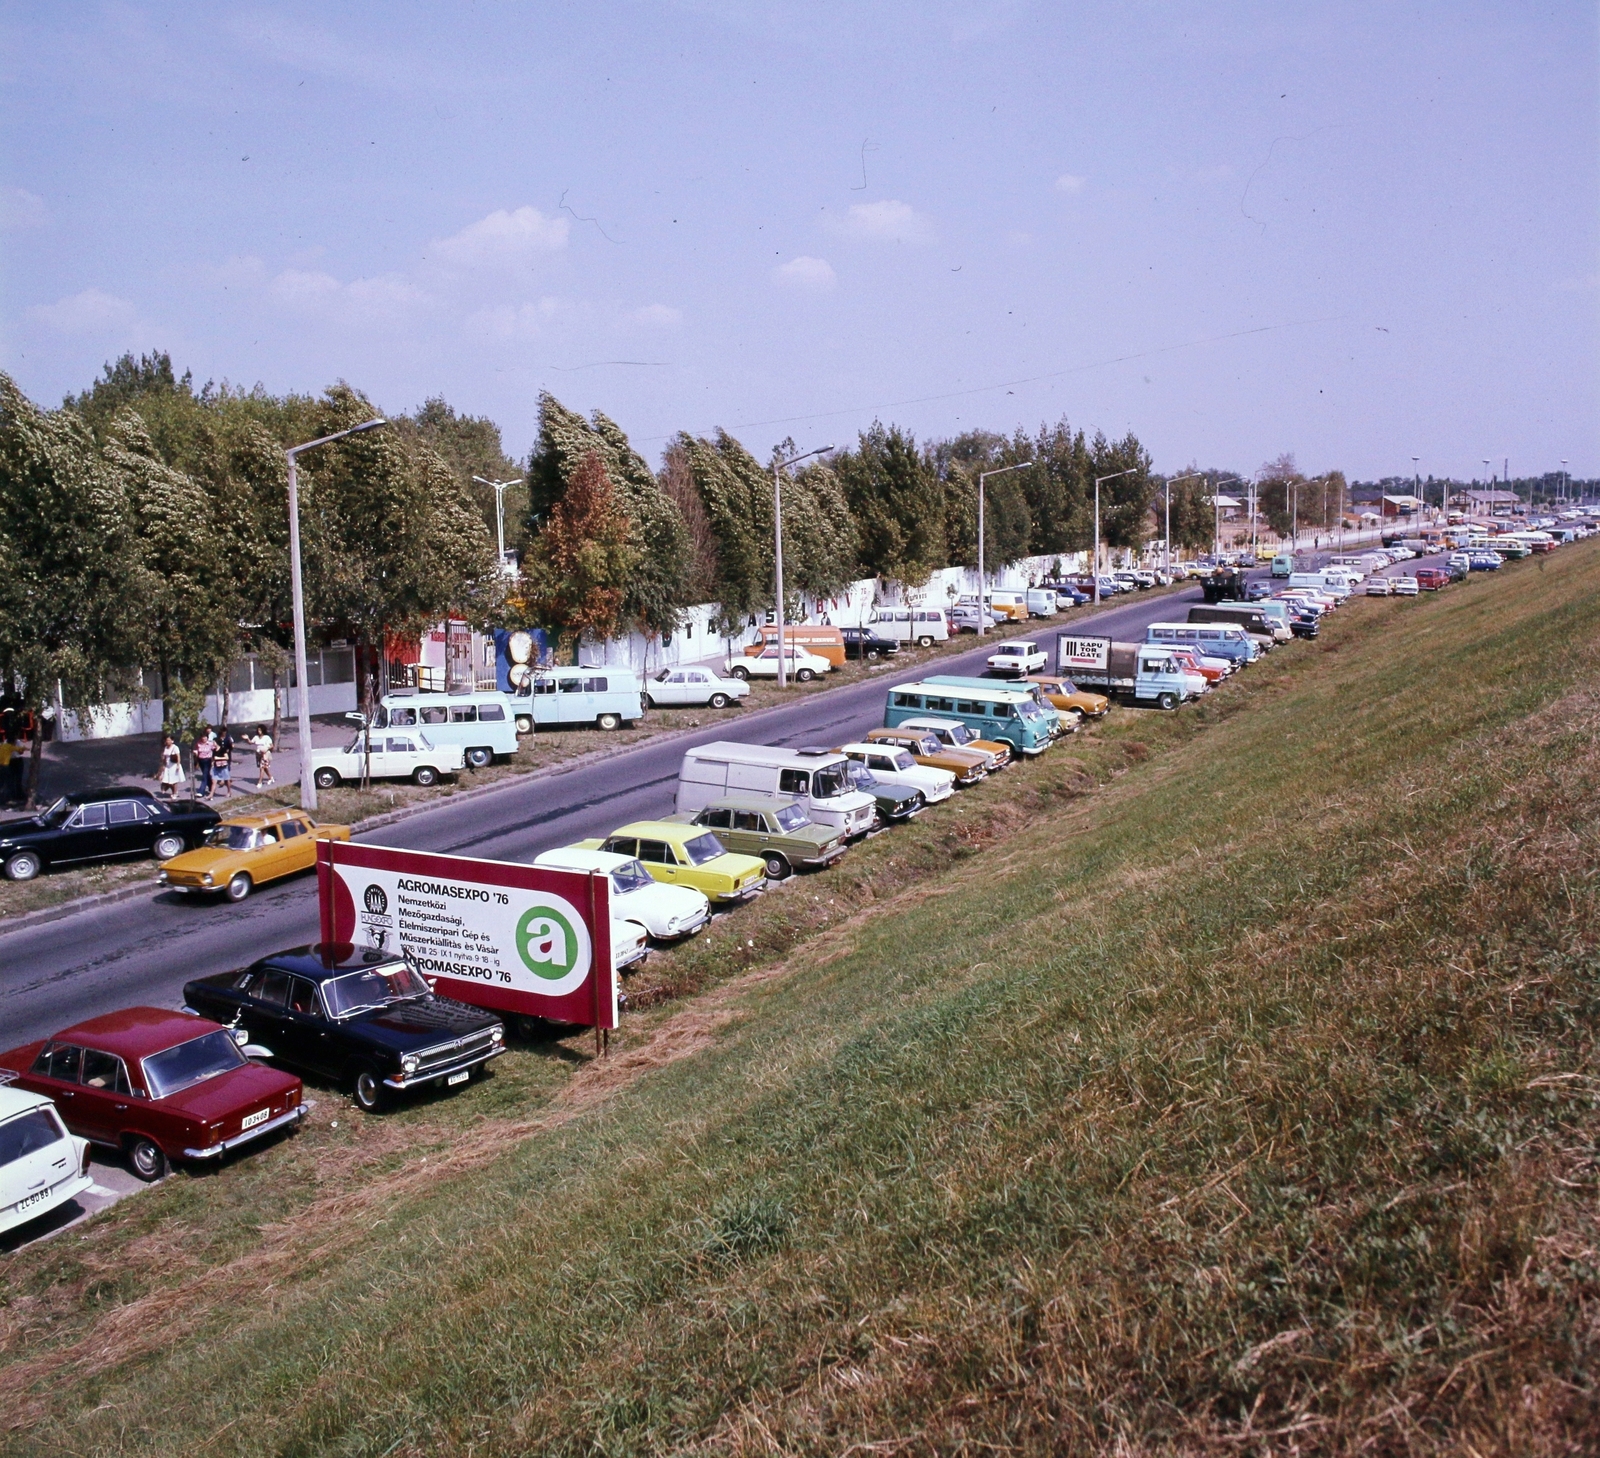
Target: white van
<point>592,698</point>
<point>1042,602</point>
<point>817,780</point>
<point>1332,582</point>
<point>922,626</point>
<point>483,724</point>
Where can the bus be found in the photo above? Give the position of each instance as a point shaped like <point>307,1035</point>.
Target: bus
<point>990,710</point>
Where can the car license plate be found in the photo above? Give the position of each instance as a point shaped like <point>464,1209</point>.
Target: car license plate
<point>27,1202</point>
<point>456,1078</point>
<point>251,1120</point>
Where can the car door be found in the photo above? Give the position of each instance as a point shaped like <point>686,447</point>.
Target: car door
<point>300,846</point>
<point>265,1016</point>
<point>671,691</point>
<point>659,859</point>
<point>84,836</point>
<point>125,829</point>
<point>310,1029</point>
<point>56,1072</point>
<point>748,833</point>
<point>103,1096</point>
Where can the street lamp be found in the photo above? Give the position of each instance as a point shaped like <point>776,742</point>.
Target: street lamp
<point>1216,512</point>
<point>1566,485</point>
<point>1166,548</point>
<point>778,468</point>
<point>308,785</point>
<point>1097,480</point>
<point>1416,479</point>
<point>499,488</point>
<point>983,612</point>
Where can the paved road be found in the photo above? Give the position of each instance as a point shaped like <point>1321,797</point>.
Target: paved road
<point>144,949</point>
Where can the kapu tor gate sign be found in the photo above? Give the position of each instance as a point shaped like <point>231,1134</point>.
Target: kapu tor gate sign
<point>501,936</point>
<point>1082,655</point>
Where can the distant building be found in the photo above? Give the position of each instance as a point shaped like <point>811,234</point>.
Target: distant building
<point>1491,503</point>
<point>1401,505</point>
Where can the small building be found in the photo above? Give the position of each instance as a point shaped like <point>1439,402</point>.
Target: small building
<point>1401,505</point>
<point>1492,503</point>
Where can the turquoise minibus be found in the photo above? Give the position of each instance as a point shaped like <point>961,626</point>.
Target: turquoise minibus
<point>990,710</point>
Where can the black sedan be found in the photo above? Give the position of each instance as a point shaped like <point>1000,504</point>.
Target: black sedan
<point>102,825</point>
<point>359,1016</point>
<point>895,802</point>
<point>864,643</point>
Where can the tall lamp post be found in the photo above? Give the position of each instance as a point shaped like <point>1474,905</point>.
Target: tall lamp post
<point>1566,485</point>
<point>1166,548</point>
<point>983,581</point>
<point>1216,512</point>
<point>778,468</point>
<point>499,488</point>
<point>1097,480</point>
<point>308,785</point>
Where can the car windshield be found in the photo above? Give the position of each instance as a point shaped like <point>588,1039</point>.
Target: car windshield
<point>702,848</point>
<point>1030,710</point>
<point>901,760</point>
<point>56,814</point>
<point>792,817</point>
<point>630,876</point>
<point>960,734</point>
<point>372,987</point>
<point>190,1063</point>
<point>861,777</point>
<point>826,783</point>
<point>231,837</point>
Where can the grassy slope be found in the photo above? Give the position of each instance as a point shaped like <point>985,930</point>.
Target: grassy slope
<point>1244,1093</point>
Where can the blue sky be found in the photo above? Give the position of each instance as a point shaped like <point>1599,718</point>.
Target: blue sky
<point>1359,233</point>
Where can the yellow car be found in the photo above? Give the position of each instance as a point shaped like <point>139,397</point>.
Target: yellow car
<point>687,855</point>
<point>1062,693</point>
<point>245,851</point>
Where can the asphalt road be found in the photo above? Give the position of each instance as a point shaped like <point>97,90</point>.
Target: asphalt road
<point>143,950</point>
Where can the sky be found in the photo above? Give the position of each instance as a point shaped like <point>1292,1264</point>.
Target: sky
<point>1356,233</point>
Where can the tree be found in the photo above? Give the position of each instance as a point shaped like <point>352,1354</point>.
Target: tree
<point>1124,501</point>
<point>678,481</point>
<point>582,561</point>
<point>897,500</point>
<point>471,446</point>
<point>1193,519</point>
<point>1275,492</point>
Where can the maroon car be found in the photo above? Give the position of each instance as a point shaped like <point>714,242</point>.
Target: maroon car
<point>157,1085</point>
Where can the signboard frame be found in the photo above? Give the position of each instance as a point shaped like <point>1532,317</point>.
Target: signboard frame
<point>1082,653</point>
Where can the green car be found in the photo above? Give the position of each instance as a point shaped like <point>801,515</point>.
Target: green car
<point>782,835</point>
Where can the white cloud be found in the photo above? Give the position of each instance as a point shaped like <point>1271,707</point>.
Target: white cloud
<point>503,239</point>
<point>815,275</point>
<point>92,312</point>
<point>388,298</point>
<point>20,208</point>
<point>890,221</point>
<point>657,316</point>
<point>1068,183</point>
<point>512,321</point>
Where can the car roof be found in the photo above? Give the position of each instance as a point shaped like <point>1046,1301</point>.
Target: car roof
<point>319,962</point>
<point>575,858</point>
<point>659,830</point>
<point>270,817</point>
<point>930,722</point>
<point>133,1032</point>
<point>14,1101</point>
<point>116,792</point>
<point>746,802</point>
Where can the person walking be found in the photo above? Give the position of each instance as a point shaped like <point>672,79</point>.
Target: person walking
<point>171,775</point>
<point>262,743</point>
<point>222,765</point>
<point>205,749</point>
<point>8,752</point>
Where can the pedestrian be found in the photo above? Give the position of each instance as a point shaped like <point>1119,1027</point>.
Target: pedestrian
<point>18,766</point>
<point>262,743</point>
<point>171,767</point>
<point>205,748</point>
<point>8,752</point>
<point>222,765</point>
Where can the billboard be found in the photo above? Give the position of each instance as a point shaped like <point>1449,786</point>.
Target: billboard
<point>501,936</point>
<point>1075,654</point>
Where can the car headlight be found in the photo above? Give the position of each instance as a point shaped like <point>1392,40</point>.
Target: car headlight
<point>497,1034</point>
<point>672,925</point>
<point>161,876</point>
<point>408,1064</point>
<point>207,878</point>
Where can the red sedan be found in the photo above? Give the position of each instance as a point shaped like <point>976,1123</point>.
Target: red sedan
<point>157,1085</point>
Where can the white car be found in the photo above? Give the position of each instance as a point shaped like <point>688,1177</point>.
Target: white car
<point>801,666</point>
<point>1019,656</point>
<point>41,1165</point>
<point>403,755</point>
<point>1404,587</point>
<point>674,688</point>
<point>666,912</point>
<point>965,617</point>
<point>1377,586</point>
<point>894,766</point>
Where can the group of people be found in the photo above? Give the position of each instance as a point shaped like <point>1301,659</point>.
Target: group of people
<point>213,762</point>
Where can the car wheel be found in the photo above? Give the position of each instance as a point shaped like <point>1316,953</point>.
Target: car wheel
<point>239,887</point>
<point>740,672</point>
<point>480,758</point>
<point>167,846</point>
<point>23,866</point>
<point>524,724</point>
<point>424,775</point>
<point>608,721</point>
<point>803,675</point>
<point>1168,701</point>
<point>368,1090</point>
<point>146,1159</point>
<point>719,701</point>
<point>871,655</point>
<point>777,866</point>
<point>326,779</point>
<point>924,642</point>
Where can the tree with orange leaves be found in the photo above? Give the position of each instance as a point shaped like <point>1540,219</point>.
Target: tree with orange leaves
<point>582,559</point>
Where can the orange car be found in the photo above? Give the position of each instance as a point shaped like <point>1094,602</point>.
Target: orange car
<point>1062,693</point>
<point>244,851</point>
<point>967,765</point>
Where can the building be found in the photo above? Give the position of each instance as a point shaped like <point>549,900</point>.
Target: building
<point>1401,505</point>
<point>1491,503</point>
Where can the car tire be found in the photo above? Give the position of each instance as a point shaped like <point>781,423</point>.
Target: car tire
<point>777,866</point>
<point>740,672</point>
<point>524,724</point>
<point>479,757</point>
<point>240,886</point>
<point>146,1159</point>
<point>367,1090</point>
<point>608,722</point>
<point>871,655</point>
<point>23,866</point>
<point>1168,702</point>
<point>326,779</point>
<point>803,675</point>
<point>719,701</point>
<point>424,775</point>
<point>166,847</point>
<point>924,642</point>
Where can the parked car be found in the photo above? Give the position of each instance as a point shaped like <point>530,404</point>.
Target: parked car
<point>814,779</point>
<point>1018,657</point>
<point>1404,587</point>
<point>1191,660</point>
<point>581,697</point>
<point>967,765</point>
<point>685,855</point>
<point>922,626</point>
<point>891,763</point>
<point>1431,579</point>
<point>867,643</point>
<point>1378,586</point>
<point>822,640</point>
<point>799,665</point>
<point>101,825</point>
<point>783,836</point>
<point>965,618</point>
<point>894,802</point>
<point>42,1166</point>
<point>1062,693</point>
<point>1484,561</point>
<point>956,735</point>
<point>356,1014</point>
<point>158,1086</point>
<point>394,755</point>
<point>675,688</point>
<point>246,851</point>
<point>666,912</point>
<point>1257,591</point>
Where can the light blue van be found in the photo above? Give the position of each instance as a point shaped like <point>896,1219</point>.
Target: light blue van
<point>992,710</point>
<point>1016,685</point>
<point>587,698</point>
<point>483,723</point>
<point>1216,640</point>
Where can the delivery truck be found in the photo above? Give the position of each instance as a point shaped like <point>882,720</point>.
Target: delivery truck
<point>1133,673</point>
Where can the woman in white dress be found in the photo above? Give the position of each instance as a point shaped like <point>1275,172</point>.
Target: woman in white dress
<point>171,767</point>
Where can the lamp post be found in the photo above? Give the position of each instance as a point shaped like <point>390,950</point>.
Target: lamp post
<point>778,468</point>
<point>308,785</point>
<point>499,488</point>
<point>1216,513</point>
<point>1166,548</point>
<point>1566,485</point>
<point>983,612</point>
<point>1097,480</point>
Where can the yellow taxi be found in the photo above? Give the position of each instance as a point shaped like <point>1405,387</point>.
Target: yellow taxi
<point>1062,693</point>
<point>246,851</point>
<point>687,855</point>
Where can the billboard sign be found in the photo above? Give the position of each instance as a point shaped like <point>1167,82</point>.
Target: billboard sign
<point>501,936</point>
<point>1076,654</point>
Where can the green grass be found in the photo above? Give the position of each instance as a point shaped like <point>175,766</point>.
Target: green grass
<point>1223,1082</point>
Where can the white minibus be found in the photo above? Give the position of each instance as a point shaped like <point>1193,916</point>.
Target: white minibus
<point>817,780</point>
<point>483,724</point>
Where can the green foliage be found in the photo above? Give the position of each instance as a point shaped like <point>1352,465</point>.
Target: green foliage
<point>897,499</point>
<point>1124,502</point>
<point>471,446</point>
<point>582,562</point>
<point>1193,517</point>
